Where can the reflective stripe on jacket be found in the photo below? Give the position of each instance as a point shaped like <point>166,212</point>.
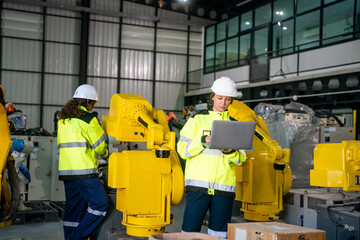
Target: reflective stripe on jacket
<point>206,169</point>
<point>79,140</point>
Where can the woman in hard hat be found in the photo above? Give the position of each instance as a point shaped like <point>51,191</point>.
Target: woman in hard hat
<point>80,138</point>
<point>209,173</point>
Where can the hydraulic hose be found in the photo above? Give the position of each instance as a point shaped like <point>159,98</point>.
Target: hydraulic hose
<point>15,191</point>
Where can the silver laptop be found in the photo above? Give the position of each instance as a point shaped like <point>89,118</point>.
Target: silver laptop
<point>232,134</point>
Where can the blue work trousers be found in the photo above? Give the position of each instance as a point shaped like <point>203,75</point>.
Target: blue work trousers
<point>197,204</point>
<point>85,207</point>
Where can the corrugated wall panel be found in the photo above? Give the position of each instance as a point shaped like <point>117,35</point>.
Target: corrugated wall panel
<point>64,12</point>
<point>104,34</point>
<point>62,29</point>
<point>102,62</point>
<point>136,64</point>
<point>170,67</point>
<point>108,5</point>
<point>171,41</point>
<point>59,89</point>
<point>143,88</point>
<point>196,43</point>
<point>137,37</point>
<point>195,63</point>
<point>62,58</point>
<point>106,88</point>
<point>22,7</point>
<point>138,10</point>
<point>169,96</point>
<point>166,14</point>
<point>21,54</point>
<point>48,118</point>
<point>21,87</point>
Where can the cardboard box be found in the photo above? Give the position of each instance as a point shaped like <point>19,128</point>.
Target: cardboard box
<point>183,236</point>
<point>272,231</point>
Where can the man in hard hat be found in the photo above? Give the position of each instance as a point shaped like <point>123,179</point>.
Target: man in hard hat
<point>80,138</point>
<point>209,174</point>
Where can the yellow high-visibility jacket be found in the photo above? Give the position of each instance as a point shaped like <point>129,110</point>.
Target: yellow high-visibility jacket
<point>79,139</point>
<point>207,170</point>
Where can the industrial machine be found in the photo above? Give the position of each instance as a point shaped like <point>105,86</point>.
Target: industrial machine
<point>266,176</point>
<point>9,190</point>
<point>147,182</point>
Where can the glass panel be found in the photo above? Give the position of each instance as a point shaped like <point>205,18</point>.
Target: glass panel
<point>209,58</point>
<point>210,34</point>
<point>262,15</point>
<point>304,5</point>
<point>233,26</point>
<point>283,9</point>
<point>220,55</point>
<point>260,41</point>
<point>245,51</point>
<point>221,31</point>
<point>307,30</point>
<point>338,19</point>
<point>232,52</point>
<point>246,21</point>
<point>283,37</point>
<point>329,1</point>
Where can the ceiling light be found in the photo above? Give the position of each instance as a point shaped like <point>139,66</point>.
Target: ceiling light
<point>247,23</point>
<point>284,28</point>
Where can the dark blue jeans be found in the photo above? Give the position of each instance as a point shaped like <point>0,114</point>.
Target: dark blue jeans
<point>197,204</point>
<point>85,207</point>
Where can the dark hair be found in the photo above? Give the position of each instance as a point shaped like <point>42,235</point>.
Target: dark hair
<point>213,94</point>
<point>71,109</point>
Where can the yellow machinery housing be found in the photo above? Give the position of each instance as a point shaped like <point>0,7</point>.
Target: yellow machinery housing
<point>8,203</point>
<point>265,176</point>
<point>337,165</point>
<point>147,182</point>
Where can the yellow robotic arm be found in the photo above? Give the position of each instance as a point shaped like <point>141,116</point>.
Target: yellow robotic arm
<point>9,201</point>
<point>147,182</point>
<point>266,176</point>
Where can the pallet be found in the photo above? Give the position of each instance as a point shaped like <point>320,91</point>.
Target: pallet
<point>38,212</point>
<point>59,206</point>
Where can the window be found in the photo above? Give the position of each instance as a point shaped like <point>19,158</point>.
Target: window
<point>260,41</point>
<point>232,52</point>
<point>338,19</point>
<point>308,30</point>
<point>262,15</point>
<point>233,26</point>
<point>220,55</point>
<point>283,9</point>
<point>283,37</point>
<point>210,34</point>
<point>221,31</point>
<point>209,58</point>
<point>245,48</point>
<point>246,21</point>
<point>305,5</point>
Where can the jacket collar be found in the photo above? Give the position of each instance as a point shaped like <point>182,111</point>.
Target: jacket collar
<point>83,108</point>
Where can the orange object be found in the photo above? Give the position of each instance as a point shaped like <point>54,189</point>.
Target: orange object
<point>170,115</point>
<point>10,108</point>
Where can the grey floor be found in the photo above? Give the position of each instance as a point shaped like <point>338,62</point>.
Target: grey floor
<point>54,231</point>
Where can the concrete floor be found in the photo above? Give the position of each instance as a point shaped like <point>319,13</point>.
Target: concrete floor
<point>54,231</point>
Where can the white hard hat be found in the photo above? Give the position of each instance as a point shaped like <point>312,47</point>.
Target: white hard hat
<point>86,91</point>
<point>224,86</point>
